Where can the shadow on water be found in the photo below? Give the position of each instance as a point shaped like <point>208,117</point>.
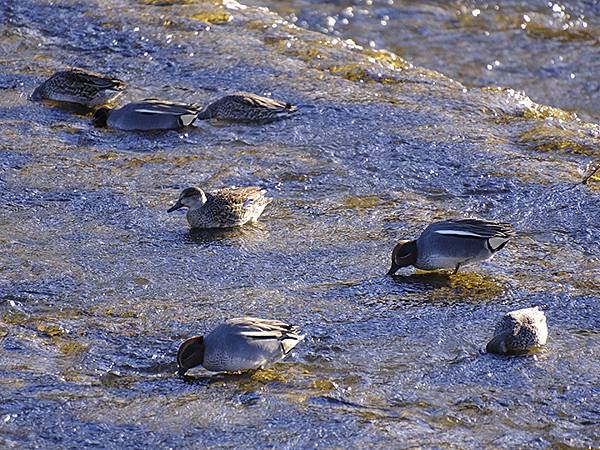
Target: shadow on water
<point>437,288</point>
<point>71,108</point>
<point>423,281</point>
<point>227,235</point>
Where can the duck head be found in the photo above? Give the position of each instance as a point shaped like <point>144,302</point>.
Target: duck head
<point>38,93</point>
<point>101,116</point>
<point>403,255</point>
<point>192,198</point>
<point>499,344</point>
<point>190,354</point>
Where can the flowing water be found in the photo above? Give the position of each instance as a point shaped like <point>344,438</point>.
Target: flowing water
<point>549,49</point>
<point>99,285</point>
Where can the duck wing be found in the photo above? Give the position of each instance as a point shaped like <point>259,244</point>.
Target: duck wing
<point>95,80</point>
<point>258,101</point>
<point>239,196</point>
<point>255,329</point>
<point>185,112</point>
<point>472,228</point>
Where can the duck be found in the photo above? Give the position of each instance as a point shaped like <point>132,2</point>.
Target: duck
<point>147,115</point>
<point>222,208</point>
<point>239,344</point>
<point>247,107</point>
<point>81,87</point>
<point>519,332</point>
<point>451,244</point>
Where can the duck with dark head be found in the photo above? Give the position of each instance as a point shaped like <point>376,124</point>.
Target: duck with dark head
<point>451,244</point>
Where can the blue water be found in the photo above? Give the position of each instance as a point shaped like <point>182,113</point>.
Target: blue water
<point>99,285</point>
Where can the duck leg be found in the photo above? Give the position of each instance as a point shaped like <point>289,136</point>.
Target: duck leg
<point>456,269</point>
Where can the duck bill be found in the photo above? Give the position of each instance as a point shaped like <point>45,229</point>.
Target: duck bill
<point>393,269</point>
<point>175,207</point>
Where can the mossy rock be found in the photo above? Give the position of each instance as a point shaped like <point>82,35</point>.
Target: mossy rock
<point>323,385</point>
<point>120,313</point>
<point>15,318</point>
<point>360,72</point>
<point>166,2</point>
<point>388,58</point>
<point>50,329</point>
<point>270,374</point>
<point>570,34</point>
<point>70,347</point>
<point>216,16</point>
<point>544,112</point>
<point>506,105</point>
<point>179,161</point>
<point>362,202</point>
<point>295,49</point>
<point>546,138</point>
<point>467,286</point>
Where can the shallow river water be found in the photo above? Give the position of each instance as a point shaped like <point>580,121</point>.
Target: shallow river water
<point>99,285</point>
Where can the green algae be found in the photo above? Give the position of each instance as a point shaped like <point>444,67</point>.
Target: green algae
<point>50,329</point>
<point>141,161</point>
<point>362,202</point>
<point>324,385</point>
<point>70,347</point>
<point>567,34</point>
<point>344,58</point>
<point>268,375</point>
<point>387,58</point>
<point>16,318</point>
<point>121,313</point>
<point>359,72</point>
<point>214,16</point>
<point>537,111</point>
<point>548,138</point>
<point>463,286</point>
<point>166,2</point>
<point>507,105</point>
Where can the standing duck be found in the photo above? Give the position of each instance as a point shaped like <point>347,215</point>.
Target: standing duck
<point>147,115</point>
<point>79,86</point>
<point>247,107</point>
<point>519,332</point>
<point>223,208</point>
<point>244,343</point>
<point>450,244</point>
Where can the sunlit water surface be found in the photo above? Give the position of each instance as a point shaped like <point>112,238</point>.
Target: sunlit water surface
<point>549,49</point>
<point>99,285</point>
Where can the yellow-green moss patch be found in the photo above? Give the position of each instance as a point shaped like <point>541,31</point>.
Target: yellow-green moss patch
<point>215,16</point>
<point>50,329</point>
<point>546,138</point>
<point>362,202</point>
<point>15,318</point>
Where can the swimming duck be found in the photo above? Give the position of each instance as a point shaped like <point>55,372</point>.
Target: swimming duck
<point>223,208</point>
<point>519,332</point>
<point>451,244</point>
<point>147,115</point>
<point>80,87</point>
<point>243,343</point>
<point>247,107</point>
